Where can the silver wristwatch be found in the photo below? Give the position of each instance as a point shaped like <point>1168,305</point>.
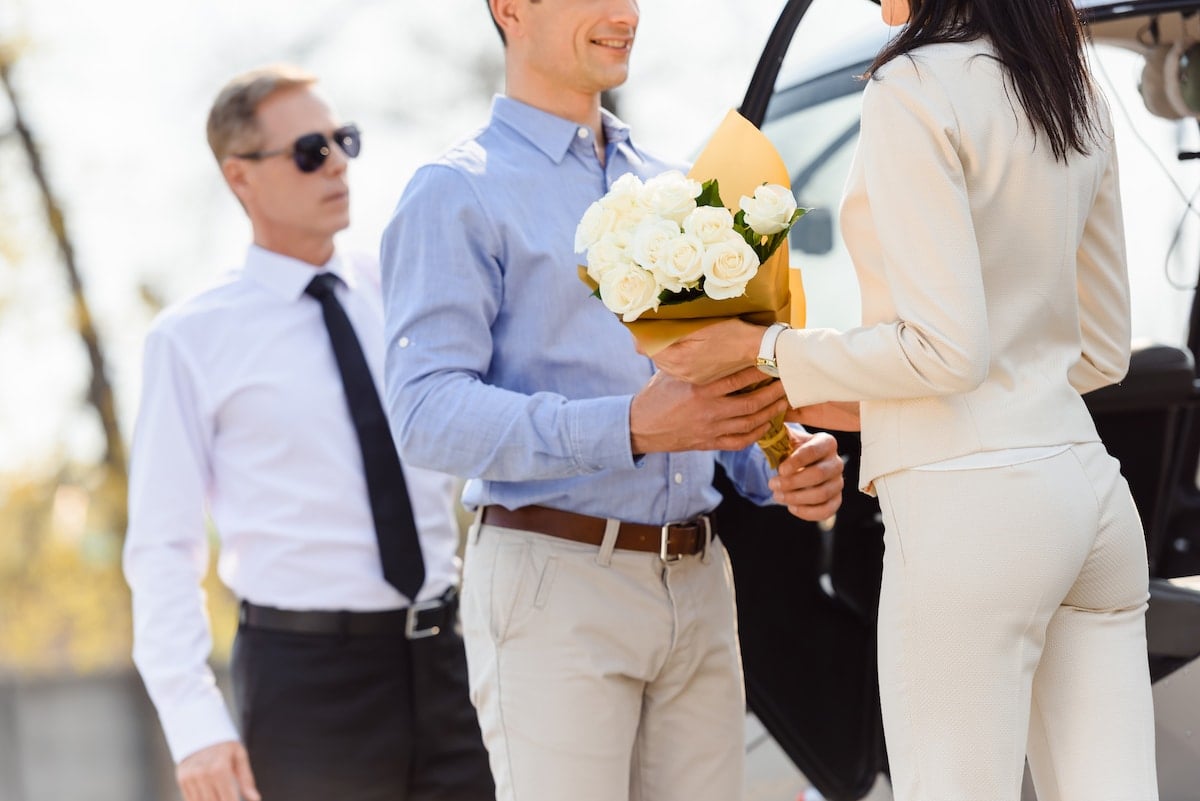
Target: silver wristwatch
<point>766,351</point>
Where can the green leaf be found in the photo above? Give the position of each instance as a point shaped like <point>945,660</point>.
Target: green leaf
<point>596,294</point>
<point>710,194</point>
<point>668,298</point>
<point>774,242</point>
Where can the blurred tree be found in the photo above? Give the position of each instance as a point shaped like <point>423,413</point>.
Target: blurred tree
<point>64,604</point>
<point>100,393</point>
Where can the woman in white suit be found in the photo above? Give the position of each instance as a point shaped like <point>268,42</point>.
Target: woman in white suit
<point>983,216</point>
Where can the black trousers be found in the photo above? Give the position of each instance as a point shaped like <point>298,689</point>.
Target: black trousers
<point>358,717</point>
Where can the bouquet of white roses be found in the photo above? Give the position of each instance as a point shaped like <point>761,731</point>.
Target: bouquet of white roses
<point>671,240</point>
<point>670,257</point>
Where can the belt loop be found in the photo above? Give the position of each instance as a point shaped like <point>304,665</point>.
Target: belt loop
<point>476,525</point>
<point>706,554</point>
<point>609,544</point>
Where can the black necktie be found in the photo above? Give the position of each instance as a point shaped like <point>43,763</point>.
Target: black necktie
<point>395,528</point>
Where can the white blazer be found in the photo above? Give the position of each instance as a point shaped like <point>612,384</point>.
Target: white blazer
<point>993,277</point>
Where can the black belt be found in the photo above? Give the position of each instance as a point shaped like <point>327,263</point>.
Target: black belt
<point>416,622</point>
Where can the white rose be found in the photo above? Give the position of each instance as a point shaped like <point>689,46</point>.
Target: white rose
<point>597,221</point>
<point>671,195</point>
<point>624,200</point>
<point>650,241</point>
<point>728,267</point>
<point>682,264</point>
<point>709,223</point>
<point>630,219</point>
<point>625,185</point>
<point>770,210</point>
<point>629,292</point>
<point>610,253</point>
<point>624,194</point>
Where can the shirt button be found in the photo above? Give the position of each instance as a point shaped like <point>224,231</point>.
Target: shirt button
<point>582,133</point>
<point>403,342</point>
<point>679,478</point>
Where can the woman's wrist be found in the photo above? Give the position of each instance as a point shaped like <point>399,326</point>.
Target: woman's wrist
<point>764,356</point>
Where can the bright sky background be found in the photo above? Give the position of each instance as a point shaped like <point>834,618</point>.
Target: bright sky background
<point>117,92</point>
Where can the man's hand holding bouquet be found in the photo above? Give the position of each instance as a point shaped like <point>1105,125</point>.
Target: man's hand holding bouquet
<point>675,262</point>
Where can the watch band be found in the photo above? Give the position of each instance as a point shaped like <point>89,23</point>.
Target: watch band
<point>766,351</point>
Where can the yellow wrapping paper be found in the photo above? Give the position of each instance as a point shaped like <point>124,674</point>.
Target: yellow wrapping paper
<point>741,158</point>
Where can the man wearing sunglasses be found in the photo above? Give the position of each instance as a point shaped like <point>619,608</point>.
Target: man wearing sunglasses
<point>260,406</point>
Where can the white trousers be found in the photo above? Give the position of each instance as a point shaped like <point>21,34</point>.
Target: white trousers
<point>1012,621</point>
<point>603,675</point>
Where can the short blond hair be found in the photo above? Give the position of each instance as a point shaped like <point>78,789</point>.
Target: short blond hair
<point>233,121</point>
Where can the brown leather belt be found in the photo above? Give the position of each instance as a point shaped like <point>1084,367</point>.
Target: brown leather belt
<point>673,540</point>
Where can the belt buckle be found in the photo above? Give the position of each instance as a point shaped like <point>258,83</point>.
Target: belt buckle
<point>663,536</point>
<point>411,631</point>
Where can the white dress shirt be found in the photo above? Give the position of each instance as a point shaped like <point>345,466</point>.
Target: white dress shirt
<point>243,416</point>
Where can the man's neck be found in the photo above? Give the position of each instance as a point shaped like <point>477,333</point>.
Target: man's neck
<point>580,108</point>
<point>316,251</point>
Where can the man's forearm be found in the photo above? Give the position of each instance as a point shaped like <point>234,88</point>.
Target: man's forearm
<point>457,424</point>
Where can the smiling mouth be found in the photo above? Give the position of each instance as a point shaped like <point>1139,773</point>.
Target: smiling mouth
<point>614,44</point>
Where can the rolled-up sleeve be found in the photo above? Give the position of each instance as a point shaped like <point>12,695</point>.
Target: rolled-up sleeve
<point>443,288</point>
<point>938,344</point>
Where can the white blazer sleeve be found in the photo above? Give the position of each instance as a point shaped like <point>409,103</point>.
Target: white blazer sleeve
<point>938,344</point>
<point>1103,284</point>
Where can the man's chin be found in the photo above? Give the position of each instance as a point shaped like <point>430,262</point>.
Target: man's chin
<point>330,230</point>
<point>612,79</point>
<point>339,224</point>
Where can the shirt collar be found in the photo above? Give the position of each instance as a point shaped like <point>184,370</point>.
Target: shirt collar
<point>551,134</point>
<point>288,277</point>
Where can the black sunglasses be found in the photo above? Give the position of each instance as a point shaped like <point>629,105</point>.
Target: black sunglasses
<point>310,151</point>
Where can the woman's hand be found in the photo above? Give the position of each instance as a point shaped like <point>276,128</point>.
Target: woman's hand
<point>712,352</point>
<point>831,416</point>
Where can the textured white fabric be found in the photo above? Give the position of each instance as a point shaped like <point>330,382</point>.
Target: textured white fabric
<point>243,417</point>
<point>1013,610</point>
<point>1001,458</point>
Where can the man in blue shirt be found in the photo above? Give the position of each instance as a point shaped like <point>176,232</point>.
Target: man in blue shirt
<point>601,634</point>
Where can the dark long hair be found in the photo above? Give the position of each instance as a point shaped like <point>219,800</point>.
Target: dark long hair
<point>1040,45</point>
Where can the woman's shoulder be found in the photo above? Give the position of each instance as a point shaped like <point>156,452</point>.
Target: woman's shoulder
<point>948,61</point>
<point>939,78</point>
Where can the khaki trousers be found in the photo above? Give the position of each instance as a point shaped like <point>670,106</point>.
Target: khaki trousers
<point>603,675</point>
<point>1012,620</point>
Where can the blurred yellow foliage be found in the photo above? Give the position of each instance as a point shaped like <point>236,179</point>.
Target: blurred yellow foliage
<point>64,604</point>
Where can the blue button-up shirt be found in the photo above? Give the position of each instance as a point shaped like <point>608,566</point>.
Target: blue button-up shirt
<point>500,366</point>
